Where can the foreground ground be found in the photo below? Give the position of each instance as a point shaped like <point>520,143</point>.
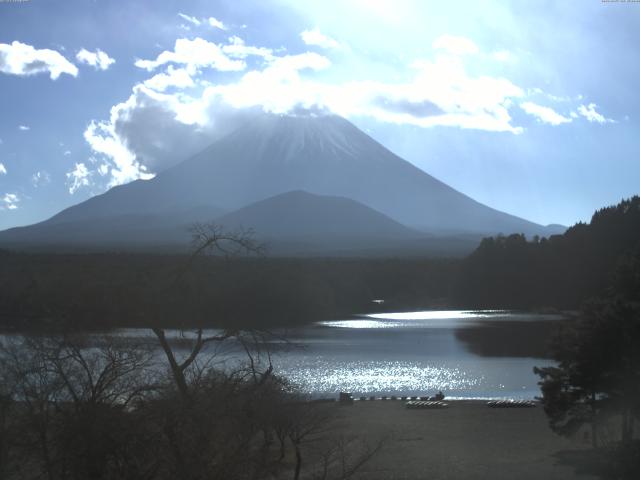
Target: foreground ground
<point>466,440</point>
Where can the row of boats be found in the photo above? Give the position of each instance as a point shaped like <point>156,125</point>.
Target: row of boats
<point>434,402</point>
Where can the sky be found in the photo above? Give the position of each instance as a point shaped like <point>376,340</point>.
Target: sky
<point>529,107</point>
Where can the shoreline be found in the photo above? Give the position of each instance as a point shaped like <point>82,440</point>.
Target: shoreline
<point>402,399</point>
<point>466,440</point>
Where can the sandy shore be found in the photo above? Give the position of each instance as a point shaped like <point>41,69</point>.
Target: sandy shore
<point>466,440</point>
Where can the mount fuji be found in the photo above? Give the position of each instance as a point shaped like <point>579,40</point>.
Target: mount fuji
<point>317,178</point>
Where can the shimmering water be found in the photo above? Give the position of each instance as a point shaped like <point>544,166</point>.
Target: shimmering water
<point>413,353</point>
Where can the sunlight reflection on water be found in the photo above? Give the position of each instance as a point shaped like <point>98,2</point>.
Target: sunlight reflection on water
<point>438,314</point>
<point>408,353</point>
<point>323,375</point>
<point>430,318</point>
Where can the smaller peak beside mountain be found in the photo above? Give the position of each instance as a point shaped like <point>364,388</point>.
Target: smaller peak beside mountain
<point>300,214</point>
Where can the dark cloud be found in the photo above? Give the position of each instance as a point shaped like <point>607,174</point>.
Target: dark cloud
<point>36,66</point>
<point>150,130</point>
<point>423,108</point>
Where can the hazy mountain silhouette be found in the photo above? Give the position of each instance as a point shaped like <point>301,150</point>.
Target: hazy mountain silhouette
<point>299,222</point>
<point>271,155</point>
<point>291,223</point>
<point>299,214</point>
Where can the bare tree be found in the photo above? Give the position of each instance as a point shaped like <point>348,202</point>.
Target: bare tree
<point>73,398</point>
<point>213,239</point>
<point>179,367</point>
<point>207,239</point>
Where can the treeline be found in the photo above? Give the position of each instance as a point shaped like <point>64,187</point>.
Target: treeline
<point>93,291</point>
<point>561,272</point>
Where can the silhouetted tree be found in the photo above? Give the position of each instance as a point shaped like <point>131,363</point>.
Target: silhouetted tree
<point>598,373</point>
<point>209,239</point>
<point>72,398</point>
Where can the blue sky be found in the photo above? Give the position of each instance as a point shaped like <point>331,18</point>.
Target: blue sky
<point>529,107</point>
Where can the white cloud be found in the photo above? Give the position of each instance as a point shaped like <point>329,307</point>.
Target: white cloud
<point>558,98</point>
<point>156,128</point>
<point>40,179</point>
<point>3,169</point>
<point>67,153</point>
<point>103,169</point>
<point>152,130</point>
<point>24,128</point>
<point>174,77</point>
<point>79,177</point>
<point>237,48</point>
<point>278,88</point>
<point>194,54</point>
<point>544,114</point>
<point>589,112</point>
<point>103,140</point>
<point>301,61</point>
<point>441,93</point>
<point>98,59</point>
<point>215,23</point>
<point>22,59</point>
<point>315,37</point>
<point>455,45</point>
<point>9,201</point>
<point>189,19</point>
<point>502,56</point>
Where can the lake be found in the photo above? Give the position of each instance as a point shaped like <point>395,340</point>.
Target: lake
<point>419,353</point>
<point>485,354</point>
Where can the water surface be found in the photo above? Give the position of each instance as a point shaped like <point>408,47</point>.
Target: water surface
<point>415,353</point>
<point>466,354</point>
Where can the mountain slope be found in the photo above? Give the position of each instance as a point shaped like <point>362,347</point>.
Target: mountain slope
<point>140,230</point>
<point>324,155</point>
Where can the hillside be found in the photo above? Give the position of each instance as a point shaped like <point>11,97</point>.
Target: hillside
<point>562,271</point>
